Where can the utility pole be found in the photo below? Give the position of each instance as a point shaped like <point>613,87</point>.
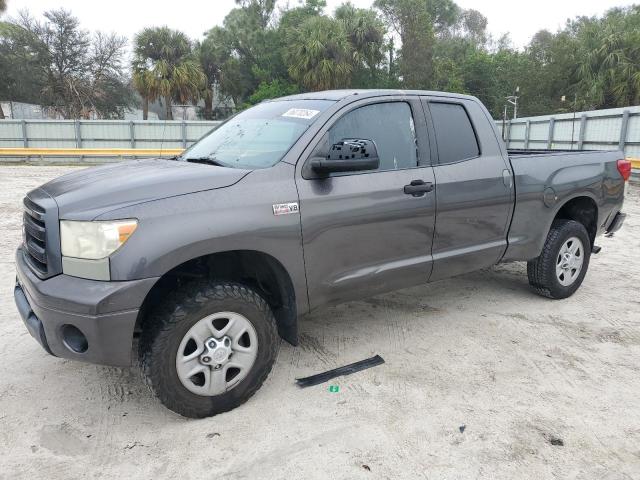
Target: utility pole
<point>504,123</point>
<point>391,49</point>
<point>513,100</point>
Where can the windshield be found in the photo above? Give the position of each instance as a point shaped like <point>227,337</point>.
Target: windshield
<point>258,137</point>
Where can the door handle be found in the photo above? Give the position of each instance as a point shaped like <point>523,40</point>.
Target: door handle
<point>507,179</point>
<point>418,188</point>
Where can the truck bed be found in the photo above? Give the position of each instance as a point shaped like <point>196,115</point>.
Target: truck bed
<point>547,179</point>
<point>521,152</point>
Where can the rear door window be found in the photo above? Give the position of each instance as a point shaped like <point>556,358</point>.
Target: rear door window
<point>390,125</point>
<point>455,135</point>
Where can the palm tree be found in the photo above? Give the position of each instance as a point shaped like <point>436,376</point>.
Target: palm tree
<point>318,54</point>
<point>365,32</point>
<point>144,82</point>
<point>165,66</point>
<point>212,54</point>
<point>608,61</point>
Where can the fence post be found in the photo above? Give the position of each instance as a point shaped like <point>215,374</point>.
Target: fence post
<point>184,134</point>
<point>527,133</point>
<point>552,123</point>
<point>25,139</point>
<point>583,131</point>
<point>78,134</point>
<point>132,134</point>
<point>623,130</point>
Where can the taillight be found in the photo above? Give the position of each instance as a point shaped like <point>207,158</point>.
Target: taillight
<point>624,167</point>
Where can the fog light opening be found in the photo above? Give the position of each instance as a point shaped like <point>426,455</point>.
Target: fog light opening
<point>74,339</point>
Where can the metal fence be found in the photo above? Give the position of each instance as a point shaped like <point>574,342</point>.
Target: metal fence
<point>610,129</point>
<point>99,134</point>
<point>595,130</point>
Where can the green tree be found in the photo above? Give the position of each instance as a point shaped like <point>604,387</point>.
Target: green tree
<point>67,46</point>
<point>225,67</point>
<point>608,60</point>
<point>260,9</point>
<point>65,67</point>
<point>165,65</point>
<point>213,53</point>
<point>413,23</point>
<point>319,55</point>
<point>252,47</point>
<point>365,32</point>
<point>444,14</point>
<point>21,58</point>
<point>144,81</point>
<point>294,17</point>
<point>474,26</point>
<point>274,89</point>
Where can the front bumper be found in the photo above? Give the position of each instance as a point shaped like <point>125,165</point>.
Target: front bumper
<point>104,312</point>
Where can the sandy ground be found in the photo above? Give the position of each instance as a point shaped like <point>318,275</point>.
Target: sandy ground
<point>482,378</point>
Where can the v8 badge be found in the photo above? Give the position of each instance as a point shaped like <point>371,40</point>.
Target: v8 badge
<point>285,208</point>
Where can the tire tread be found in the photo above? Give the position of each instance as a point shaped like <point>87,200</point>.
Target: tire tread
<point>178,304</point>
<point>541,270</point>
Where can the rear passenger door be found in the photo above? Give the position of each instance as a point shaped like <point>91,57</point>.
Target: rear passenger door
<point>362,234</point>
<point>474,189</point>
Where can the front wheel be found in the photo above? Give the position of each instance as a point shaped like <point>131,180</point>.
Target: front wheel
<point>208,348</point>
<point>560,269</point>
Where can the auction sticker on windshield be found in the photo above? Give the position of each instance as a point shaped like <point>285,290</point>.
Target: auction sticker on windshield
<point>303,113</point>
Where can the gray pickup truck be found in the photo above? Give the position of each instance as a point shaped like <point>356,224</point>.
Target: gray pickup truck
<point>197,266</point>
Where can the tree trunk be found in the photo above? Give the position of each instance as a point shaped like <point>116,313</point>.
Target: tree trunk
<point>167,101</point>
<point>145,108</point>
<point>208,106</point>
<point>1,113</point>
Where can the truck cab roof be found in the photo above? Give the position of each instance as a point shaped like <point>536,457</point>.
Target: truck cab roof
<point>338,95</point>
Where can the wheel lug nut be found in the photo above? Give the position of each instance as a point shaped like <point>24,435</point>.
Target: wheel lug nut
<point>206,359</point>
<point>217,367</point>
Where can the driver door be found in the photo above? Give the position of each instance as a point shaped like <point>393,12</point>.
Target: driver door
<point>362,234</point>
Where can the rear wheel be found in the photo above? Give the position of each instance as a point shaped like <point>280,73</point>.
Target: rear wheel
<point>208,348</point>
<point>561,267</point>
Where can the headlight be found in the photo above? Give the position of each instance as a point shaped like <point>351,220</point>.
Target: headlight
<point>94,240</point>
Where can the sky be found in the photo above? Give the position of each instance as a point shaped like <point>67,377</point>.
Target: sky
<point>521,19</point>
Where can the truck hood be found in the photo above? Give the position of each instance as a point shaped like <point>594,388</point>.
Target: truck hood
<point>91,192</point>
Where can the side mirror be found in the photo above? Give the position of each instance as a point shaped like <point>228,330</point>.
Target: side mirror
<point>348,155</point>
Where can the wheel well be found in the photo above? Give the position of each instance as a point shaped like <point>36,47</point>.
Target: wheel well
<point>583,210</point>
<point>254,269</point>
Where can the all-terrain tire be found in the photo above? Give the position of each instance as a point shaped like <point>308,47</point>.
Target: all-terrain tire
<point>165,327</point>
<point>542,270</point>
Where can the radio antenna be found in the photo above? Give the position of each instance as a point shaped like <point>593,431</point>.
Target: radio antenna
<point>573,123</point>
<point>164,128</point>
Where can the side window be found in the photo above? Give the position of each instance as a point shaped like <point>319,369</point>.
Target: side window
<point>454,133</point>
<point>390,125</point>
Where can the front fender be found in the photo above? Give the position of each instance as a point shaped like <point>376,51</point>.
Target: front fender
<point>175,230</point>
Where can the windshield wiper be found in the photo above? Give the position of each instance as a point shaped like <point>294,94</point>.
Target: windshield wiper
<point>207,160</point>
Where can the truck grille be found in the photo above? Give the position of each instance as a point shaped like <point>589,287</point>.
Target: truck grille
<point>35,238</point>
